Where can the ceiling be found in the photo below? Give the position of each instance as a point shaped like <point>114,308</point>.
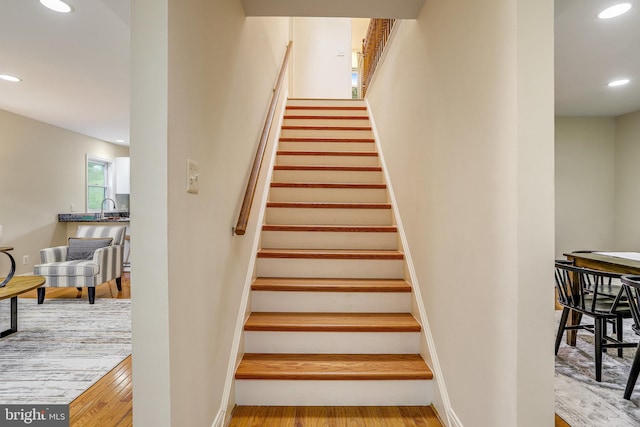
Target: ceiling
<point>590,52</point>
<point>75,67</point>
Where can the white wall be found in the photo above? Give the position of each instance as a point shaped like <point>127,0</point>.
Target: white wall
<point>627,182</point>
<point>149,214</point>
<point>464,107</point>
<point>203,79</point>
<point>42,172</point>
<point>317,69</point>
<point>596,183</point>
<point>585,159</point>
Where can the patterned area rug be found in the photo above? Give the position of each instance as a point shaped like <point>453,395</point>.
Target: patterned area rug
<point>582,401</point>
<point>61,348</point>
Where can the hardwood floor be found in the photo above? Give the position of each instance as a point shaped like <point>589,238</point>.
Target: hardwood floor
<point>560,422</point>
<point>334,416</point>
<point>339,416</point>
<point>108,402</point>
<point>106,290</point>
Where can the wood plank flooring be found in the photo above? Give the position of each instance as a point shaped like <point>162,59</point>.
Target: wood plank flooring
<point>560,422</point>
<point>106,290</point>
<point>340,416</point>
<point>108,403</point>
<point>334,416</point>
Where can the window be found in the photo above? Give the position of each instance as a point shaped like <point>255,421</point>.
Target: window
<point>98,182</point>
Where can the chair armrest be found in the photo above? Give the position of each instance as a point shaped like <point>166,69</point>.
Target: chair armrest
<point>56,254</point>
<point>110,258</point>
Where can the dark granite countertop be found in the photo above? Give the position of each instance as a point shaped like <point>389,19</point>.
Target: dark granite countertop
<point>94,217</point>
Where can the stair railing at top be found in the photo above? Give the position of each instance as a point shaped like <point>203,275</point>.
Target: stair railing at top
<point>245,210</point>
<point>372,48</point>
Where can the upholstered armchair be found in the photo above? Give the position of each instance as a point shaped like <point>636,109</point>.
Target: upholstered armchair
<point>93,257</point>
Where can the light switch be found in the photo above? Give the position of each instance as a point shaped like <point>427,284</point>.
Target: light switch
<point>340,52</point>
<point>192,176</point>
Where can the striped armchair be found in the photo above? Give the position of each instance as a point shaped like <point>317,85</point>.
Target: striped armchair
<point>61,270</point>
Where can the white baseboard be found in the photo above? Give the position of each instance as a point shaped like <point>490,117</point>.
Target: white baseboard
<point>218,421</point>
<point>454,421</point>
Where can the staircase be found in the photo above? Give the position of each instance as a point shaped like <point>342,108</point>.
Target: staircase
<point>330,320</point>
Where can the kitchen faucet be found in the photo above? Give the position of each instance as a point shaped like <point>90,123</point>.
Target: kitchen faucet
<point>102,206</point>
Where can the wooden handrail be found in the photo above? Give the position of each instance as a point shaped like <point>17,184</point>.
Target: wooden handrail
<point>245,210</point>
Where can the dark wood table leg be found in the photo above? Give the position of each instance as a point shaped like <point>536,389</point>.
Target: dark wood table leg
<point>14,319</point>
<point>574,316</point>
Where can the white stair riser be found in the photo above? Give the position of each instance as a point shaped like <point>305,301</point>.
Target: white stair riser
<point>325,133</point>
<point>294,159</point>
<point>334,393</point>
<point>328,195</point>
<point>317,216</point>
<point>329,240</point>
<point>332,342</point>
<point>330,268</point>
<point>326,102</point>
<point>324,122</point>
<point>326,146</point>
<point>371,177</point>
<point>330,302</point>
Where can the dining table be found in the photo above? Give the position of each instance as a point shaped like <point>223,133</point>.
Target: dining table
<point>616,262</point>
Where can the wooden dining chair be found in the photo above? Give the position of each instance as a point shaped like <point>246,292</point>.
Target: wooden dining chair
<point>631,286</point>
<point>591,293</point>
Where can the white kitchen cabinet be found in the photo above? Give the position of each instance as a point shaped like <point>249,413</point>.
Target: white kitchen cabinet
<point>122,175</point>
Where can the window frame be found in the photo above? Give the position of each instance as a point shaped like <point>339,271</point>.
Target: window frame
<point>109,179</point>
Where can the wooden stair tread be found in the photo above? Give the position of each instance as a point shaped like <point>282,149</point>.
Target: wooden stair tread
<point>333,367</point>
<point>332,228</point>
<point>330,254</point>
<point>327,153</point>
<point>306,127</point>
<point>332,322</point>
<point>320,139</point>
<point>329,285</point>
<point>322,205</point>
<point>326,107</point>
<point>310,117</point>
<point>327,168</point>
<point>354,185</point>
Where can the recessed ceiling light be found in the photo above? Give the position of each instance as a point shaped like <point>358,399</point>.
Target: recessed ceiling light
<point>10,78</point>
<point>620,82</point>
<point>57,5</point>
<point>615,10</point>
<point>119,140</point>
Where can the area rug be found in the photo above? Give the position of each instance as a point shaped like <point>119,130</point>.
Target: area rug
<point>61,348</point>
<point>582,401</point>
